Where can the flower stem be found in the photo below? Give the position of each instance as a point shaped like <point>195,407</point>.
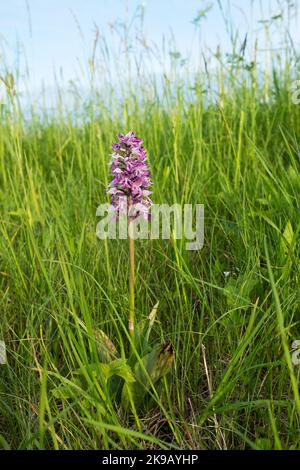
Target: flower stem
<point>131,277</point>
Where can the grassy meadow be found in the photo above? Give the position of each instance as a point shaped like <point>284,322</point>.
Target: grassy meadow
<point>226,136</point>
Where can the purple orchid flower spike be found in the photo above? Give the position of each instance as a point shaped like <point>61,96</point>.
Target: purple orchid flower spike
<point>131,175</point>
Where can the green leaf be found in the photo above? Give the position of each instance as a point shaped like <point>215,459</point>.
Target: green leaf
<point>106,348</point>
<point>74,390</point>
<point>156,364</point>
<point>288,233</point>
<point>239,291</point>
<point>69,389</point>
<point>118,367</point>
<point>117,374</point>
<point>263,443</point>
<point>148,372</point>
<point>152,315</point>
<point>288,237</point>
<point>4,445</point>
<point>143,330</point>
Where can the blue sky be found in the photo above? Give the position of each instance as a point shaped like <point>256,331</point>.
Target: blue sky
<point>58,34</point>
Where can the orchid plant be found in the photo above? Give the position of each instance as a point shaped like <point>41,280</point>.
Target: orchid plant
<point>146,365</point>
<point>130,380</point>
<point>130,184</point>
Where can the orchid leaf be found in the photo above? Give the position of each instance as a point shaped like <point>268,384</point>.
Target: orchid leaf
<point>143,330</point>
<point>118,367</point>
<point>106,348</point>
<point>73,390</point>
<point>286,242</point>
<point>148,372</point>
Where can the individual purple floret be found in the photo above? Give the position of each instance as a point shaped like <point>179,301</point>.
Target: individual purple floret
<point>131,176</point>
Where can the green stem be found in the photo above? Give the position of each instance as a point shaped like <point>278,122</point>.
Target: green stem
<point>131,279</point>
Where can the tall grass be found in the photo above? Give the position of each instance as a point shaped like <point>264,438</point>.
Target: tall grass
<point>226,137</point>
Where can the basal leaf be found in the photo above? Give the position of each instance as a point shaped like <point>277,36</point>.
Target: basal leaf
<point>288,237</point>
<point>148,372</point>
<point>106,348</point>
<point>143,331</point>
